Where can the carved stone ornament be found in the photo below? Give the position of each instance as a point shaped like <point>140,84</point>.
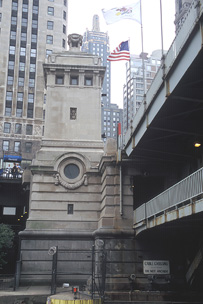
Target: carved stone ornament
<point>71,172</point>
<point>60,181</point>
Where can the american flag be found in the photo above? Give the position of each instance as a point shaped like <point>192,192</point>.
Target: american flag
<point>120,53</point>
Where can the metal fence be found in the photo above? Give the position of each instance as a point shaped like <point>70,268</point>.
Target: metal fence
<point>185,190</point>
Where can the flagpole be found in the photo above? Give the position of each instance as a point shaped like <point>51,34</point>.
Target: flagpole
<point>143,65</point>
<point>162,43</point>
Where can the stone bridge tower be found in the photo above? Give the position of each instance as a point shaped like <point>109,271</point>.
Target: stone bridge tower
<point>75,190</point>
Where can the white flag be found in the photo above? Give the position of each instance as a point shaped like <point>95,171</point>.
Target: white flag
<point>130,11</point>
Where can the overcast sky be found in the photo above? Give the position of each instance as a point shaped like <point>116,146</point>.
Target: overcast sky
<point>80,18</point>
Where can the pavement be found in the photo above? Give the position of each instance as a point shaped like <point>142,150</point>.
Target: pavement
<point>27,290</point>
<point>36,295</point>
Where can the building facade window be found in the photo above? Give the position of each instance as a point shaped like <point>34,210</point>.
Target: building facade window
<point>48,52</point>
<point>14,20</point>
<point>34,38</point>
<point>5,145</point>
<point>32,67</point>
<point>70,209</point>
<point>25,8</point>
<point>33,53</point>
<point>7,127</point>
<point>22,51</point>
<point>63,43</point>
<point>30,97</point>
<point>17,146</point>
<point>14,6</point>
<point>11,65</point>
<point>73,113</point>
<point>35,9</point>
<point>18,128</point>
<point>28,129</point>
<point>49,39</point>
<point>28,147</point>
<point>1,3</point>
<point>21,81</point>
<point>50,10</point>
<point>64,29</point>
<point>64,15</point>
<point>74,80</point>
<point>12,50</point>
<point>59,79</point>
<point>13,35</point>
<point>34,23</point>
<point>50,25</point>
<point>22,66</point>
<point>24,22</point>
<point>65,2</point>
<point>10,80</point>
<point>23,36</point>
<point>88,81</point>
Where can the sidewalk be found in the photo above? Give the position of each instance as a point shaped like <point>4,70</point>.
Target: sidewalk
<point>27,290</point>
<point>25,295</point>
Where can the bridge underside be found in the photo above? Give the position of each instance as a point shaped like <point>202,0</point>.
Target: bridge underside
<point>169,138</point>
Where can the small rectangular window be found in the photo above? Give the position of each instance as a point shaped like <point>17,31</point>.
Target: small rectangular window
<point>65,2</point>
<point>64,15</point>
<point>19,112</point>
<point>11,65</point>
<point>14,20</point>
<point>30,97</point>
<point>28,147</point>
<point>63,43</point>
<point>50,25</point>
<point>59,79</point>
<point>10,80</point>
<point>34,23</point>
<point>5,145</point>
<point>48,52</point>
<point>17,146</point>
<point>1,2</point>
<point>49,39</point>
<point>34,38</point>
<point>73,113</point>
<point>28,129</point>
<point>74,80</point>
<point>18,128</point>
<point>64,29</point>
<point>88,81</point>
<point>20,81</point>
<point>70,208</point>
<point>50,10</point>
<point>7,127</point>
<point>31,83</point>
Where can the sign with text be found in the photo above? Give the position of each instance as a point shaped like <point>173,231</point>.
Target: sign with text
<point>156,267</point>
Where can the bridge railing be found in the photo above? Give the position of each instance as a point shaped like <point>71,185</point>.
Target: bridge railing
<point>185,190</point>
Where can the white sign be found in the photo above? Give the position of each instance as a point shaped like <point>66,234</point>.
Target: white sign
<point>156,267</point>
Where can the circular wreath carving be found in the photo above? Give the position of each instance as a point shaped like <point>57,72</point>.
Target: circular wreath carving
<point>71,173</point>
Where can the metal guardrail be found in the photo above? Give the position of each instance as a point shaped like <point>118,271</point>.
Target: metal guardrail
<point>185,190</point>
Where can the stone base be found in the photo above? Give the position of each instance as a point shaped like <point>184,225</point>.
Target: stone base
<point>77,253</point>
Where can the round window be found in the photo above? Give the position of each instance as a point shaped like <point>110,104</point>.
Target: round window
<point>71,171</point>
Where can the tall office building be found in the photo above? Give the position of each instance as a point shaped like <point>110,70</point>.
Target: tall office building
<point>137,85</point>
<point>181,7</point>
<point>97,43</point>
<point>29,31</point>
